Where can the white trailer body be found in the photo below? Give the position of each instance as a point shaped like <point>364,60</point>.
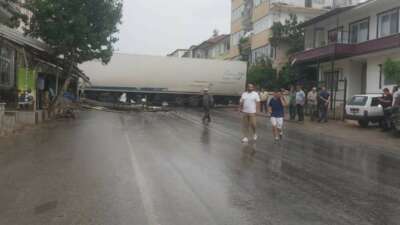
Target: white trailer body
<point>138,73</point>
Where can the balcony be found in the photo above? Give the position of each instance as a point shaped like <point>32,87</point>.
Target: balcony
<point>345,50</point>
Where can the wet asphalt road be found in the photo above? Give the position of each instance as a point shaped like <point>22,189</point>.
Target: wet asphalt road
<point>168,169</point>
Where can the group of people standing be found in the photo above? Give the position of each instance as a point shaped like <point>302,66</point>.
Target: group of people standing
<point>390,102</point>
<point>252,102</point>
<point>316,102</point>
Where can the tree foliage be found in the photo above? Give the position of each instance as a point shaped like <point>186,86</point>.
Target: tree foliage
<point>391,70</point>
<point>289,33</point>
<point>77,30</point>
<point>244,49</point>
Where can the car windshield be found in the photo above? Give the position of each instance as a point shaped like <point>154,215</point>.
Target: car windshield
<point>358,100</point>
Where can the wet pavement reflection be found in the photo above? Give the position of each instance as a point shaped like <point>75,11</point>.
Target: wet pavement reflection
<point>168,168</point>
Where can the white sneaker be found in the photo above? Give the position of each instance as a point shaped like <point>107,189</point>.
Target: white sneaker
<point>255,137</point>
<point>245,140</point>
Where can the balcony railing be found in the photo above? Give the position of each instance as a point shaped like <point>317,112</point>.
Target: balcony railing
<point>344,50</point>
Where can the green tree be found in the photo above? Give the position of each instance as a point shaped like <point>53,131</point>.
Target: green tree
<point>287,76</point>
<point>289,34</point>
<point>391,69</point>
<point>263,75</point>
<point>77,30</point>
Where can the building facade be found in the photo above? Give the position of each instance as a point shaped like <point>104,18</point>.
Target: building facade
<point>217,47</point>
<point>178,53</point>
<point>352,44</point>
<point>252,21</point>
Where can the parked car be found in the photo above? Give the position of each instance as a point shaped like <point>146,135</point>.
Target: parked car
<point>365,109</point>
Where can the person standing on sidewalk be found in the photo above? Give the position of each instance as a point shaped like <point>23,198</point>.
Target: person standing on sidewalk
<point>292,103</point>
<point>276,109</point>
<point>300,102</point>
<point>324,100</point>
<point>249,106</point>
<point>386,101</point>
<point>396,97</point>
<point>208,101</point>
<point>264,100</point>
<point>312,103</point>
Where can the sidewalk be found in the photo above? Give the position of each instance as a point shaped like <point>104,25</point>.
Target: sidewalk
<point>349,130</point>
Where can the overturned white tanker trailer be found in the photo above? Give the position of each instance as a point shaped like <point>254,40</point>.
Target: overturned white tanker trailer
<point>178,81</point>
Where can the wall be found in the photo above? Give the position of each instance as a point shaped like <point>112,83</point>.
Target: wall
<point>350,70</point>
<point>373,72</point>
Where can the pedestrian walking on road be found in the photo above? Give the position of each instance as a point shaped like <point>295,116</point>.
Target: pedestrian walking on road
<point>324,100</point>
<point>208,102</point>
<point>276,110</point>
<point>312,103</point>
<point>300,102</point>
<point>249,106</point>
<point>292,103</point>
<point>264,100</point>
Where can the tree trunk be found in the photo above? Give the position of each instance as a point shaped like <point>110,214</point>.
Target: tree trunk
<point>68,74</point>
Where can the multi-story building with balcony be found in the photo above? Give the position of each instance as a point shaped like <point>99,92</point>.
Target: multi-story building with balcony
<point>217,47</point>
<point>352,44</point>
<point>252,20</point>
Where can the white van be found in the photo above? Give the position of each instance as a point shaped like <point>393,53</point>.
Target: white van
<point>365,109</point>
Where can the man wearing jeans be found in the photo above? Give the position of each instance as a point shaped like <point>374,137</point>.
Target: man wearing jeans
<point>249,106</point>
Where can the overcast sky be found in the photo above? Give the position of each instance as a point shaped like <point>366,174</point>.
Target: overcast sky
<point>158,27</point>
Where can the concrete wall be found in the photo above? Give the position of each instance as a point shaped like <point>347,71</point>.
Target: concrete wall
<point>373,72</point>
<point>236,3</point>
<point>350,70</point>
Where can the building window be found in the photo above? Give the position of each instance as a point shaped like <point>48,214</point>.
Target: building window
<point>335,35</point>
<point>7,71</point>
<point>237,13</point>
<point>359,31</point>
<point>382,76</point>
<point>263,24</point>
<point>319,37</point>
<point>235,38</point>
<point>263,53</point>
<point>258,2</point>
<point>308,3</point>
<point>388,23</point>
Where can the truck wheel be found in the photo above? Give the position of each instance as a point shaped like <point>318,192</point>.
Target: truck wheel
<point>363,123</point>
<point>194,101</point>
<point>180,101</point>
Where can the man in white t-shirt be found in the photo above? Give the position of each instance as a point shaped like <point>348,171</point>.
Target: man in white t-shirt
<point>249,106</point>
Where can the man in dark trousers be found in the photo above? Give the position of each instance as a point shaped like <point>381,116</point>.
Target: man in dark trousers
<point>324,100</point>
<point>208,102</point>
<point>386,101</point>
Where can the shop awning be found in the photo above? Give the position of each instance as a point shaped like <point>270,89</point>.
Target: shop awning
<point>45,51</point>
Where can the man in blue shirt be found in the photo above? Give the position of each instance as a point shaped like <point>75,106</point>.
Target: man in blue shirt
<point>276,109</point>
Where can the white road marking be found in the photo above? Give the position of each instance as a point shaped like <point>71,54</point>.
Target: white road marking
<point>143,188</point>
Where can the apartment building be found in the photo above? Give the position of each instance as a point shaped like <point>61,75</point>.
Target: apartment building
<point>216,47</point>
<point>252,20</point>
<point>352,44</point>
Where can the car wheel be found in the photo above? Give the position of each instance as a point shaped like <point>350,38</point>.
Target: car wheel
<point>363,123</point>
